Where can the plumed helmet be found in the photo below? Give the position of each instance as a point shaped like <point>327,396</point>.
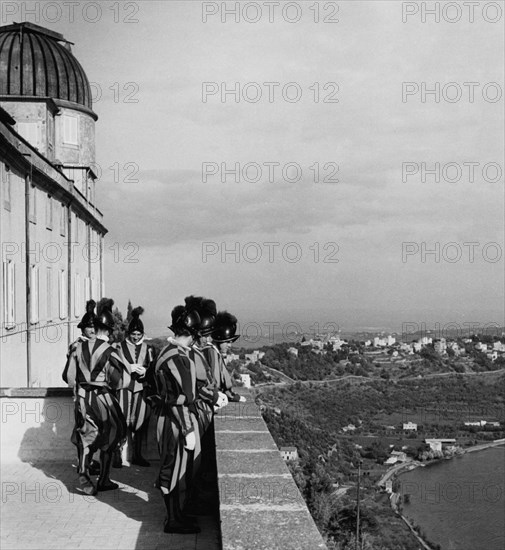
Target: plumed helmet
<point>136,323</point>
<point>206,310</point>
<point>184,320</point>
<point>208,315</point>
<point>88,319</point>
<point>104,318</point>
<point>225,328</point>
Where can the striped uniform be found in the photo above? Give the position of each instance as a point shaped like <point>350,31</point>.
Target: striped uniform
<point>132,399</point>
<point>96,371</point>
<point>176,382</point>
<point>207,394</point>
<point>219,372</point>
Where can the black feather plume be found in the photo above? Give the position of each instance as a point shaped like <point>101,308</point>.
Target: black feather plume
<point>193,302</point>
<point>223,317</point>
<point>105,303</point>
<point>137,312</point>
<point>208,307</point>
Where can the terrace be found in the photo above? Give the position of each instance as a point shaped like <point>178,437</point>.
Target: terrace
<point>259,505</point>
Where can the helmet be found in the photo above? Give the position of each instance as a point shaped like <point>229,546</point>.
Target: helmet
<point>184,320</point>
<point>104,318</point>
<point>225,328</point>
<point>206,310</point>
<point>135,323</point>
<point>88,319</point>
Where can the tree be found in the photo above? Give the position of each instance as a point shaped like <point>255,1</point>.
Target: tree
<point>429,353</point>
<point>129,310</point>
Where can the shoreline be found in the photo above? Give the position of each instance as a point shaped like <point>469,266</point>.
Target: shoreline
<point>412,464</point>
<point>409,466</point>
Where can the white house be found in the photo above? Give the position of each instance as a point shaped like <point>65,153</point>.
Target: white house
<point>231,357</point>
<point>255,356</point>
<point>440,346</point>
<point>289,453</point>
<point>436,444</point>
<point>246,380</point>
<point>410,426</point>
<point>349,428</point>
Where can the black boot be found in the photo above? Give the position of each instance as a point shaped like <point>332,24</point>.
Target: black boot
<point>175,522</point>
<point>138,459</point>
<point>94,468</point>
<point>117,461</point>
<point>104,481</point>
<point>86,486</point>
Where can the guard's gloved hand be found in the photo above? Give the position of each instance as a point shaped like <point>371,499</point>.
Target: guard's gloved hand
<point>190,441</point>
<point>222,401</point>
<point>139,369</point>
<point>242,399</point>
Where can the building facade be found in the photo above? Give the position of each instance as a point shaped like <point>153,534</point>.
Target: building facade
<point>52,235</point>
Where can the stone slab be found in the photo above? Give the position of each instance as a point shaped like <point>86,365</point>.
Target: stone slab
<point>245,440</point>
<point>259,489</point>
<point>268,529</point>
<point>250,463</point>
<point>239,410</point>
<point>243,424</point>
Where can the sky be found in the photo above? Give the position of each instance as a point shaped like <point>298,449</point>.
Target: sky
<point>335,209</point>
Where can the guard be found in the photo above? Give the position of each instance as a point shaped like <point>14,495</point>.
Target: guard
<point>223,335</point>
<point>177,427</point>
<point>96,371</point>
<point>139,360</point>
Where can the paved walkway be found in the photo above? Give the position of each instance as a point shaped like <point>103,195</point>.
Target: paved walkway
<point>41,509</point>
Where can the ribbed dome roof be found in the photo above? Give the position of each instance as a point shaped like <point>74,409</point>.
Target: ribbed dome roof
<point>34,62</point>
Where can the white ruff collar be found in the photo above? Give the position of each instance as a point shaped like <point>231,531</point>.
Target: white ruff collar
<point>141,341</point>
<point>173,341</point>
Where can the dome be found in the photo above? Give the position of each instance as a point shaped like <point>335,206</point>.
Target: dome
<point>35,61</point>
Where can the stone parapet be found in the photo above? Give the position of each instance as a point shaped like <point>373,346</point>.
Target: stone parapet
<point>261,507</point>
